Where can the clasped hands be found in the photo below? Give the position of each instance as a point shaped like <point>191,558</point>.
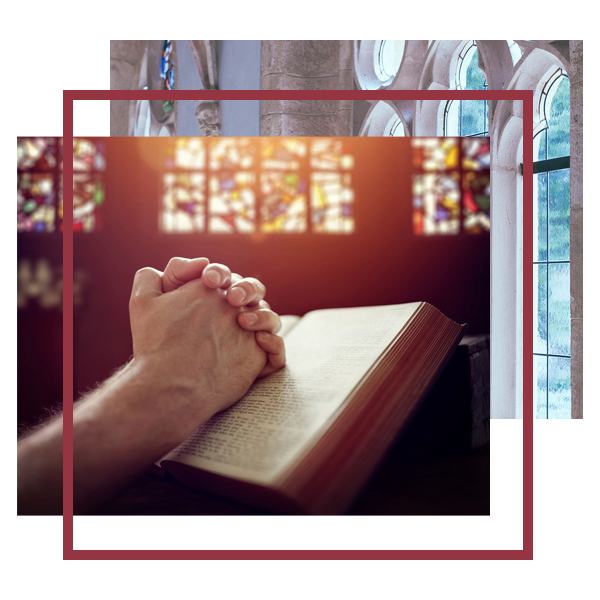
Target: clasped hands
<point>208,331</point>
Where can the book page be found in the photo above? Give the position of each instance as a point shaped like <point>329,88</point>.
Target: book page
<point>328,353</point>
<point>288,322</point>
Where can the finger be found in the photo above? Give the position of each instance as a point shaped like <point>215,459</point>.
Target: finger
<point>259,319</point>
<point>235,277</point>
<point>147,284</point>
<point>216,276</point>
<point>246,292</point>
<point>274,346</point>
<point>181,270</point>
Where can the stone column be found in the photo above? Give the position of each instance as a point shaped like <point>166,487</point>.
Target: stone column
<point>125,61</point>
<point>306,65</point>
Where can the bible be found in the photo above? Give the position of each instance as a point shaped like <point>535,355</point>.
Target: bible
<point>306,439</point>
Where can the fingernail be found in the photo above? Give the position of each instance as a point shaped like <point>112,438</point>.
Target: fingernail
<point>214,277</point>
<point>250,318</point>
<point>265,336</point>
<point>238,294</point>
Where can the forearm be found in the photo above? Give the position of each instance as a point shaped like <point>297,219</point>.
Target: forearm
<point>40,462</point>
<point>119,433</point>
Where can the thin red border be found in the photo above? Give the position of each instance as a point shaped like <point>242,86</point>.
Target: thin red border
<point>69,96</point>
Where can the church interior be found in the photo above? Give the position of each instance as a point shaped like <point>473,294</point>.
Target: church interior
<point>424,198</point>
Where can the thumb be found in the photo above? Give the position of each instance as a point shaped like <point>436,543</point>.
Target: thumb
<point>181,270</point>
<point>147,284</point>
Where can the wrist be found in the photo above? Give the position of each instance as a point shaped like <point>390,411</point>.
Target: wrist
<point>167,406</point>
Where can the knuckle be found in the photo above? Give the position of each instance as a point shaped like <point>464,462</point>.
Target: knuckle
<point>175,260</point>
<point>143,271</point>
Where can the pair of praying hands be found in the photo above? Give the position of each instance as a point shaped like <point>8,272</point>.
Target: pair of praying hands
<point>204,329</point>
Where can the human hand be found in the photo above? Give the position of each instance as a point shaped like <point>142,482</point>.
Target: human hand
<point>190,337</point>
<point>246,293</point>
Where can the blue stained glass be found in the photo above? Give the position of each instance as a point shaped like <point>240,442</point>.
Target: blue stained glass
<point>540,204</point>
<point>559,309</point>
<point>559,205</point>
<point>540,313</point>
<point>559,388</point>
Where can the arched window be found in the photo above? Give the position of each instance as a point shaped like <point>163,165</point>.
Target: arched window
<point>552,315</point>
<point>467,117</point>
<point>249,185</point>
<point>377,62</point>
<point>382,120</point>
<point>39,184</point>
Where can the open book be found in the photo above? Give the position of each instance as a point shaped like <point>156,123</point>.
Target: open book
<point>305,439</point>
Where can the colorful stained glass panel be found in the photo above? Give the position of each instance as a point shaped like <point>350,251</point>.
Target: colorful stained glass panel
<point>476,202</point>
<point>183,202</point>
<point>167,68</point>
<point>35,202</point>
<point>186,153</point>
<point>435,154</point>
<point>436,203</point>
<point>332,202</point>
<point>36,154</point>
<point>330,154</point>
<point>232,203</point>
<point>88,195</point>
<point>476,153</point>
<point>232,153</point>
<point>282,153</point>
<point>88,155</point>
<point>283,202</point>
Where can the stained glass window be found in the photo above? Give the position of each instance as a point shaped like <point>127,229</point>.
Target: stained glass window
<point>331,193</point>
<point>283,185</point>
<point>232,153</point>
<point>435,154</point>
<point>184,186</point>
<point>37,178</point>
<point>552,310</point>
<point>167,71</point>
<point>451,185</point>
<point>272,185</point>
<point>388,57</point>
<point>232,202</point>
<point>283,202</point>
<point>39,184</point>
<point>88,186</point>
<point>467,117</point>
<point>436,203</point>
<point>183,202</point>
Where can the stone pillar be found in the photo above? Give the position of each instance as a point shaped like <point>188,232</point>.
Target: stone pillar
<point>125,61</point>
<point>306,65</point>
